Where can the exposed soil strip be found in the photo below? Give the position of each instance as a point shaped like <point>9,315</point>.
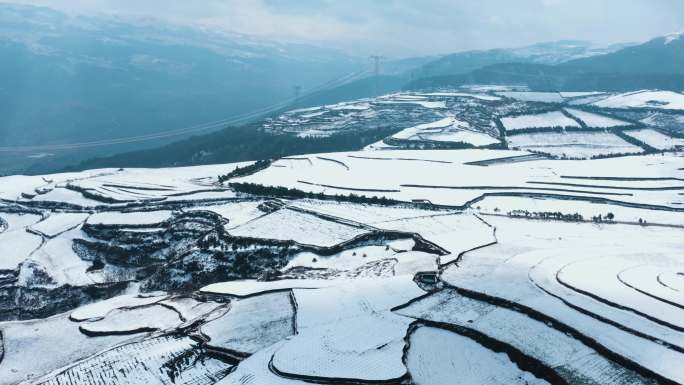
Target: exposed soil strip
<point>624,179</point>
<point>512,188</point>
<point>141,188</point>
<point>348,188</point>
<point>90,333</point>
<point>644,292</point>
<point>334,161</point>
<point>2,347</point>
<point>660,281</point>
<point>618,306</point>
<point>522,360</point>
<point>556,324</point>
<point>668,188</point>
<point>507,160</point>
<point>609,321</point>
<point>408,159</point>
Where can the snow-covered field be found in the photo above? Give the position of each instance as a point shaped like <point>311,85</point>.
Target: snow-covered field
<point>667,100</point>
<point>16,244</point>
<point>545,97</point>
<point>450,178</point>
<point>401,266</point>
<point>150,218</point>
<point>433,360</point>
<point>56,224</point>
<point>252,324</point>
<point>301,227</point>
<point>596,120</point>
<point>656,139</point>
<point>446,130</point>
<point>573,145</point>
<point>545,120</point>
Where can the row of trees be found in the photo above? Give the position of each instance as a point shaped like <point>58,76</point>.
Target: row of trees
<point>292,193</point>
<point>246,170</point>
<point>557,215</point>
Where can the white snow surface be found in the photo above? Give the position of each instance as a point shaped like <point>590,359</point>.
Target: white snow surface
<point>447,178</point>
<point>246,288</point>
<point>544,120</point>
<point>144,362</point>
<point>58,223</point>
<point>147,218</point>
<point>656,139</point>
<point>573,145</point>
<point>503,271</point>
<point>448,129</point>
<point>237,213</point>
<point>286,224</point>
<point>667,100</point>
<point>98,310</point>
<point>440,357</point>
<point>36,347</point>
<point>252,323</point>
<point>16,244</point>
<point>122,321</point>
<point>596,120</point>
<point>355,337</point>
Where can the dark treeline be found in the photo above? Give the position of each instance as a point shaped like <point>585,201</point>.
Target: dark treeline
<point>235,144</point>
<point>292,193</point>
<point>246,170</point>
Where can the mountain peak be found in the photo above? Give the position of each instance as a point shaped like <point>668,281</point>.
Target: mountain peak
<point>673,36</point>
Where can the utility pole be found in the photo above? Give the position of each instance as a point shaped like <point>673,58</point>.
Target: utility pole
<point>376,60</point>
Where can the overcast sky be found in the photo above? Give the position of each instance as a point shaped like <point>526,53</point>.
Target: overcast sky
<point>409,27</point>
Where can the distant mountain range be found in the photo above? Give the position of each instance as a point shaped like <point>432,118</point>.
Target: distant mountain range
<point>543,53</point>
<point>419,72</point>
<point>66,79</point>
<point>658,63</point>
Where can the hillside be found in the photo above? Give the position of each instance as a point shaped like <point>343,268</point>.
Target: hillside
<point>657,64</point>
<point>75,79</point>
<point>368,267</point>
<point>548,53</point>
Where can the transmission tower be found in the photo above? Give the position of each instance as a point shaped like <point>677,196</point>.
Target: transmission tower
<point>376,61</point>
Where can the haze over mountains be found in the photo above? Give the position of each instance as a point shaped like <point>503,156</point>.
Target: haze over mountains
<point>67,79</point>
<point>81,79</point>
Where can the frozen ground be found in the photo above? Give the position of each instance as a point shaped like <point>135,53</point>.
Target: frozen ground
<point>433,360</point>
<point>252,324</point>
<point>548,119</point>
<point>596,120</point>
<point>574,145</point>
<point>447,130</point>
<point>667,100</point>
<point>453,178</point>
<point>656,139</point>
<point>16,244</point>
<point>301,227</point>
<point>417,264</point>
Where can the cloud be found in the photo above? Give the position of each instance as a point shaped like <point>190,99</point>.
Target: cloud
<point>409,27</point>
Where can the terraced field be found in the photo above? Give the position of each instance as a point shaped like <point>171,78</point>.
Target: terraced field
<point>384,266</point>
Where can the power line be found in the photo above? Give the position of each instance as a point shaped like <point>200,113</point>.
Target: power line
<point>376,62</point>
